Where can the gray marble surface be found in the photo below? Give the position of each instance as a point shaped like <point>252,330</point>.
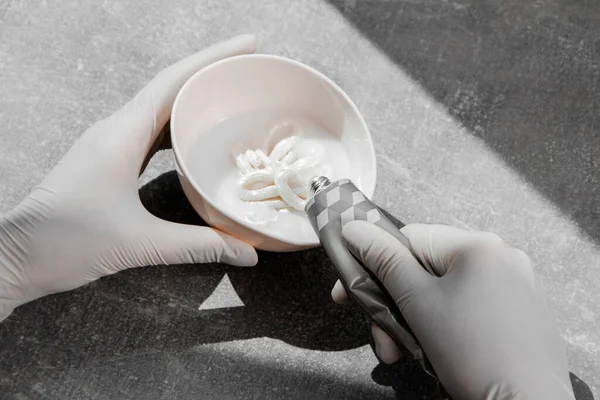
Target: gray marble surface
<point>484,116</point>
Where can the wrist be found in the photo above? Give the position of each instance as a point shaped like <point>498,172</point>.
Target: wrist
<point>536,384</point>
<point>11,272</point>
<point>7,303</point>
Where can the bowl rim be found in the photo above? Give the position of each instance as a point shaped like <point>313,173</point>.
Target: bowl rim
<point>181,165</point>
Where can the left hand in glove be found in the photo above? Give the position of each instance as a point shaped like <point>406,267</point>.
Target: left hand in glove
<point>85,220</point>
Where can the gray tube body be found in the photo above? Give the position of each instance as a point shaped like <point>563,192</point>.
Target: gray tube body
<point>333,206</point>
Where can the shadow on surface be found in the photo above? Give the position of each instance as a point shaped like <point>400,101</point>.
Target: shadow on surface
<point>521,75</point>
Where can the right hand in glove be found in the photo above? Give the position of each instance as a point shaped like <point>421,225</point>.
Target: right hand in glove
<point>483,322</point>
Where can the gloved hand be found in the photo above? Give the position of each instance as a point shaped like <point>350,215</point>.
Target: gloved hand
<point>483,322</point>
<point>85,220</point>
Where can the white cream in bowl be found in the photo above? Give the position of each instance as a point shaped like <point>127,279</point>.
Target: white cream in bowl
<point>227,140</point>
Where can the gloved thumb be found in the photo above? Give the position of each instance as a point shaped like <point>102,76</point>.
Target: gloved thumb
<point>390,261</point>
<point>168,243</point>
<point>439,246</point>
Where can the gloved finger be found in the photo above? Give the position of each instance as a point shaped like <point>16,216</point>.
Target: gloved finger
<point>439,246</point>
<point>390,261</point>
<point>386,349</point>
<point>144,117</point>
<point>339,294</point>
<point>167,243</point>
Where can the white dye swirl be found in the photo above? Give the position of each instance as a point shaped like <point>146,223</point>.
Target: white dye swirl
<point>276,180</point>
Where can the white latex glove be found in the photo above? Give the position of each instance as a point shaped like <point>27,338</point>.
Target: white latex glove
<point>483,322</point>
<point>85,220</point>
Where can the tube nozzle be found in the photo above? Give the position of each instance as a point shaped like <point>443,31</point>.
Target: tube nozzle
<point>319,183</point>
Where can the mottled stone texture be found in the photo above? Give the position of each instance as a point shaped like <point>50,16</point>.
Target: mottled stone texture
<point>484,114</point>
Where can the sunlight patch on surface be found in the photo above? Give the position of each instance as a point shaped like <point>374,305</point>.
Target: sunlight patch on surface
<point>224,296</point>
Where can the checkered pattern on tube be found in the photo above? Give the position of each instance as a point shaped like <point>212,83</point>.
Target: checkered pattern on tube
<point>344,201</point>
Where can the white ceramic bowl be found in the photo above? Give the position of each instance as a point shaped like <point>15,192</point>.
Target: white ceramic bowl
<point>251,83</point>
